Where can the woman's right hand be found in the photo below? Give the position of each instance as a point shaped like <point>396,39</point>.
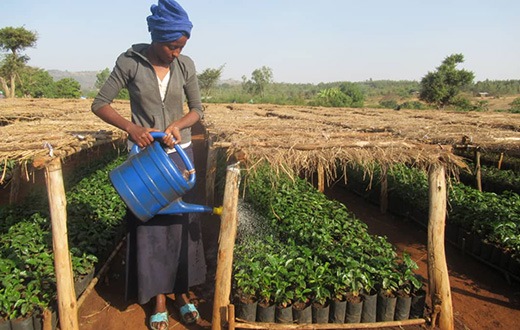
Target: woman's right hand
<point>140,135</point>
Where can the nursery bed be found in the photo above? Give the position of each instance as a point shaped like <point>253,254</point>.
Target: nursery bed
<point>482,299</point>
<point>351,135</point>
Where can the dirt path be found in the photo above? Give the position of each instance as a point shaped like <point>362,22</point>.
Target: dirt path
<point>482,298</point>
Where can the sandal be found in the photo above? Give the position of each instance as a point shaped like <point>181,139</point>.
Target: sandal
<point>159,318</point>
<point>186,313</point>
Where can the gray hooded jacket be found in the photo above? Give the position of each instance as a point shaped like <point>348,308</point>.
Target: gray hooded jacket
<point>136,73</point>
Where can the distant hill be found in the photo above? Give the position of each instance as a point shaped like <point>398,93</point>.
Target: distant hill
<point>87,79</point>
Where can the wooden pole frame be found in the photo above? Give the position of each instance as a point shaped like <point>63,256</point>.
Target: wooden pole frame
<point>100,274</point>
<point>321,178</point>
<point>478,170</point>
<point>500,160</point>
<point>325,326</point>
<point>314,326</point>
<point>227,235</point>
<point>67,305</point>
<point>15,185</point>
<point>438,277</point>
<point>223,311</point>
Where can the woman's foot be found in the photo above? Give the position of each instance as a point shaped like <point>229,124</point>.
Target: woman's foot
<point>159,319</point>
<point>188,310</point>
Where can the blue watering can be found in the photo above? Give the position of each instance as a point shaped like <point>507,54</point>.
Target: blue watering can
<point>150,183</point>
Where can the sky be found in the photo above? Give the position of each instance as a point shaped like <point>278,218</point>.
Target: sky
<point>302,41</point>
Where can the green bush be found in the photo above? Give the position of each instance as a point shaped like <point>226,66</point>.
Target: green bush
<point>413,105</point>
<point>390,104</point>
<point>494,179</point>
<point>94,215</point>
<point>494,217</point>
<point>315,249</point>
<point>462,103</point>
<point>515,105</point>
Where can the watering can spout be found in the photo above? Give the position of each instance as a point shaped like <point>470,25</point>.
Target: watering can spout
<point>217,210</point>
<point>179,206</point>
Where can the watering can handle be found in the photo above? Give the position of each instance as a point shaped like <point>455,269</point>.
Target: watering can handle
<point>187,162</point>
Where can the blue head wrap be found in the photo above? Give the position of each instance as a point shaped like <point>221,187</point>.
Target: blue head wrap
<point>168,22</point>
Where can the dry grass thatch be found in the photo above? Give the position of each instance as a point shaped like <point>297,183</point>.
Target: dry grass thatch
<point>40,129</point>
<point>289,137</point>
<point>304,138</point>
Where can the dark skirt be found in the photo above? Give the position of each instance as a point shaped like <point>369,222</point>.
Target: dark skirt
<point>165,254</point>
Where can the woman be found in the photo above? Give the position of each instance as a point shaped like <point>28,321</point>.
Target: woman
<point>165,253</point>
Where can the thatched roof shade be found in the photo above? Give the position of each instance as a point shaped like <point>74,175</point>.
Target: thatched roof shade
<point>289,137</point>
<point>28,124</point>
<point>301,138</point>
<point>33,129</point>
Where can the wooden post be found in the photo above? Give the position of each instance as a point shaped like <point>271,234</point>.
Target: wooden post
<point>15,185</point>
<point>228,230</point>
<point>500,160</point>
<point>231,317</point>
<point>383,198</point>
<point>439,281</point>
<point>67,306</point>
<point>478,175</point>
<point>327,326</point>
<point>47,319</point>
<point>211,170</point>
<point>100,274</point>
<point>321,178</point>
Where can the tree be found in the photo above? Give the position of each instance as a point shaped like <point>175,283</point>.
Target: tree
<point>332,97</point>
<point>260,79</point>
<point>440,87</point>
<point>208,80</point>
<point>35,82</point>
<point>10,68</point>
<point>14,40</point>
<point>353,91</point>
<point>346,95</point>
<point>68,88</point>
<point>101,77</point>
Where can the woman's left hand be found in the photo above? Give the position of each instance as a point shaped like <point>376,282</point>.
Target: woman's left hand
<point>173,136</point>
